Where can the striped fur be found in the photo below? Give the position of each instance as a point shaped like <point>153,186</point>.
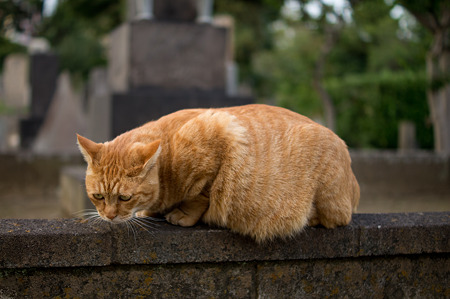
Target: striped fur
<point>259,170</point>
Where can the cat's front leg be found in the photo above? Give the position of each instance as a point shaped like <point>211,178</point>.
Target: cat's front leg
<point>189,212</point>
<point>144,214</point>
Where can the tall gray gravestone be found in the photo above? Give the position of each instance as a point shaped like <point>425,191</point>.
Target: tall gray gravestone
<point>16,93</point>
<point>43,74</point>
<point>99,106</point>
<point>65,118</point>
<point>166,58</point>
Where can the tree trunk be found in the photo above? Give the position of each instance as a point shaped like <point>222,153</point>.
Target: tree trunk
<point>438,94</point>
<point>331,37</point>
<point>435,16</point>
<point>328,105</point>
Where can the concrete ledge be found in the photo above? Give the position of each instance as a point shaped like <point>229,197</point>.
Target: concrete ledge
<point>379,255</point>
<point>70,243</point>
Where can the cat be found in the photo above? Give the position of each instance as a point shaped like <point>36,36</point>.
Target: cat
<point>261,171</point>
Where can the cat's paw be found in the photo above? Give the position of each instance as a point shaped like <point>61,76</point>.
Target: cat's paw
<point>178,217</point>
<point>143,214</point>
<point>314,221</point>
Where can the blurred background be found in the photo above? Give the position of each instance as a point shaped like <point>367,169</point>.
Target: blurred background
<point>375,72</point>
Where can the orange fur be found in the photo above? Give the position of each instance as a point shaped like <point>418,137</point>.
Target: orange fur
<point>259,170</point>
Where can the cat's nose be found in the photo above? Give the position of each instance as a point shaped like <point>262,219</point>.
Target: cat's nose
<point>111,216</point>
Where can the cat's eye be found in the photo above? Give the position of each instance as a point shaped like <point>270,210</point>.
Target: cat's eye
<point>98,196</point>
<point>124,197</point>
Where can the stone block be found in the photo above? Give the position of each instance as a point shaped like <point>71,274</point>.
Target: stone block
<point>387,172</point>
<point>65,118</point>
<point>29,128</point>
<point>9,133</point>
<point>132,109</point>
<point>32,174</point>
<point>175,10</point>
<point>169,281</point>
<point>168,55</point>
<point>397,277</point>
<point>67,258</point>
<point>53,243</point>
<point>187,245</point>
<point>44,70</point>
<point>99,106</point>
<point>43,74</point>
<point>73,197</point>
<point>386,234</point>
<point>167,10</point>
<point>16,87</point>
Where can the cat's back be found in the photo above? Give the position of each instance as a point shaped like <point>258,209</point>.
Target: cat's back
<point>265,114</point>
<point>268,185</point>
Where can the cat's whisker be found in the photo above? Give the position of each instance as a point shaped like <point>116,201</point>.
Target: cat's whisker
<point>93,218</point>
<point>87,210</point>
<point>136,223</point>
<point>146,223</point>
<point>85,213</point>
<point>154,219</point>
<point>130,228</point>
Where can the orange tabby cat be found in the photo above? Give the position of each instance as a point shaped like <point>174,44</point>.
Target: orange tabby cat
<point>259,170</point>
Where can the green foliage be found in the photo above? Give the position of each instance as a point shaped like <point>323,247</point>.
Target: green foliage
<point>12,17</point>
<point>6,48</point>
<point>285,73</point>
<point>370,107</point>
<point>12,13</point>
<point>375,73</point>
<point>80,52</point>
<point>76,29</point>
<point>252,32</point>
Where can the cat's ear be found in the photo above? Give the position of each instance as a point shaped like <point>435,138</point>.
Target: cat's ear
<point>89,149</point>
<point>149,154</point>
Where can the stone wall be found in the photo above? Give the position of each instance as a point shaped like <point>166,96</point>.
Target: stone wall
<point>402,173</point>
<point>29,184</point>
<point>390,182</point>
<point>377,255</point>
<point>29,173</point>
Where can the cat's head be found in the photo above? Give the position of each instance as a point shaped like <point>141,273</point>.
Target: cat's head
<point>121,178</point>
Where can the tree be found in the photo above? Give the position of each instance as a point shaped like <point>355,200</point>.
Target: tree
<point>17,17</point>
<point>353,55</point>
<point>252,33</point>
<point>332,31</point>
<point>435,16</point>
<point>76,29</point>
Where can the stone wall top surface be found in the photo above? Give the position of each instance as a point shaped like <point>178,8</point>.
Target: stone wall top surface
<point>70,243</point>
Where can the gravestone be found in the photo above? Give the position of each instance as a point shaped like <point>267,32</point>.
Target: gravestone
<point>162,10</point>
<point>44,69</point>
<point>169,55</point>
<point>16,89</point>
<point>99,106</point>
<point>64,119</point>
<point>173,59</point>
<point>9,133</point>
<point>136,107</point>
<point>407,140</point>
